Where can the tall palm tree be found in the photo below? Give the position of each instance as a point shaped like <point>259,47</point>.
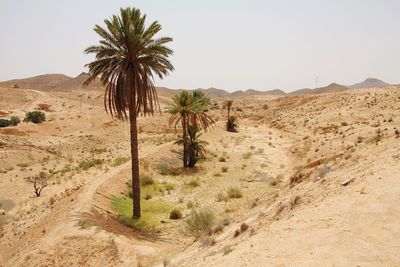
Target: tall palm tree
<point>189,109</point>
<point>127,58</point>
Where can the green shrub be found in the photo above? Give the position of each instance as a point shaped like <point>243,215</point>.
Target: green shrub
<point>146,180</point>
<point>200,223</point>
<point>234,192</point>
<point>4,123</point>
<point>14,121</point>
<point>87,164</point>
<point>35,117</point>
<point>119,161</point>
<point>175,214</point>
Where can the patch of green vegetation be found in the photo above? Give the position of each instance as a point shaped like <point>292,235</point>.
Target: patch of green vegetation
<point>89,163</point>
<point>152,212</point>
<point>234,192</point>
<point>35,117</point>
<point>119,161</point>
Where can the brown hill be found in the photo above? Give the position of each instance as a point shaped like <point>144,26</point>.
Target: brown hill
<point>42,82</point>
<point>333,87</point>
<point>369,83</point>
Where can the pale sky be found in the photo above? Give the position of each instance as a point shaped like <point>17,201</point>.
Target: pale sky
<point>228,44</point>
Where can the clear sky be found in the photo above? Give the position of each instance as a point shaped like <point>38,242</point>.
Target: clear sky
<point>228,44</point>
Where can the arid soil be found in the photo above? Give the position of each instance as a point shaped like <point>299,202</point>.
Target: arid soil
<point>319,177</point>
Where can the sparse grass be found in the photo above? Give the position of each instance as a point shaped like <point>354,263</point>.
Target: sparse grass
<point>146,180</point>
<point>200,222</point>
<point>152,212</point>
<point>87,164</point>
<point>234,192</point>
<point>194,183</point>
<point>22,165</point>
<point>119,161</point>
<point>167,167</point>
<point>246,155</point>
<point>221,196</point>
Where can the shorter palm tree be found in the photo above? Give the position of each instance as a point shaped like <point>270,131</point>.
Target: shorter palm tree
<point>231,124</point>
<point>195,147</point>
<point>189,109</point>
<point>228,105</point>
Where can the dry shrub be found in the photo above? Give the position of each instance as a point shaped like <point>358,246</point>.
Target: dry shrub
<point>244,227</point>
<point>200,222</point>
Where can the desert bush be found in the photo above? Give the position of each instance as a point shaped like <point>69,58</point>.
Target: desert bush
<point>4,123</point>
<point>146,180</point>
<point>87,164</point>
<point>224,169</point>
<point>175,214</point>
<point>221,196</point>
<point>200,222</point>
<point>207,241</point>
<point>234,192</point>
<point>222,159</point>
<point>265,107</point>
<point>14,121</point>
<point>167,167</point>
<point>35,117</point>
<point>38,181</point>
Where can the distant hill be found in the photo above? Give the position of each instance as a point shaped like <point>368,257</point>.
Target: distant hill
<point>41,82</point>
<point>47,82</point>
<point>369,83</point>
<point>333,87</point>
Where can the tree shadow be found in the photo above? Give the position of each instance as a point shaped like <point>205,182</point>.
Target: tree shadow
<point>105,220</point>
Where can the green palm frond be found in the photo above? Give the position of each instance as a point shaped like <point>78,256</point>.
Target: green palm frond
<point>126,60</point>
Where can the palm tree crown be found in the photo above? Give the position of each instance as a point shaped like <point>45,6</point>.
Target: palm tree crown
<point>127,58</point>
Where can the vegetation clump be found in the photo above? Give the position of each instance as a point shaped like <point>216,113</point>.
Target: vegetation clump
<point>119,161</point>
<point>146,180</point>
<point>87,164</point>
<point>35,117</point>
<point>200,222</point>
<point>175,214</point>
<point>234,192</point>
<point>13,121</point>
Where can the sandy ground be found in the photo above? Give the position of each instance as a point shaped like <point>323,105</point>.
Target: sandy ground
<point>312,221</point>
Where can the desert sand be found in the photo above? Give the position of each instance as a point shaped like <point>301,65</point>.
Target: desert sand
<point>319,176</point>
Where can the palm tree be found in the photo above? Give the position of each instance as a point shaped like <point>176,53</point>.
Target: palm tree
<point>127,58</point>
<point>228,105</point>
<point>195,147</point>
<point>189,109</point>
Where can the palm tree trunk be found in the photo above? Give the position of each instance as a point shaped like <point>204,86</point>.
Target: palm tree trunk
<point>184,134</point>
<point>136,212</point>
